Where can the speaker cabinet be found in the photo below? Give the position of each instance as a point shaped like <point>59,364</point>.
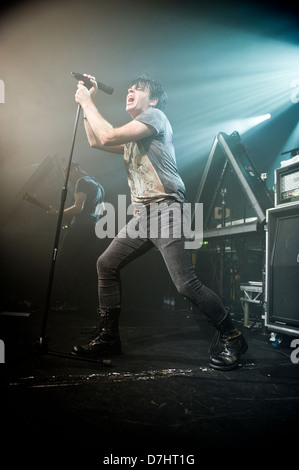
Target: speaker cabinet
<point>282,269</point>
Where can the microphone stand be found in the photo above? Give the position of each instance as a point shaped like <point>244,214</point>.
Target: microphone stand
<point>43,340</point>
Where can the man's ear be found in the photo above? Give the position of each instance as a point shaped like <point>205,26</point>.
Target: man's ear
<point>153,102</point>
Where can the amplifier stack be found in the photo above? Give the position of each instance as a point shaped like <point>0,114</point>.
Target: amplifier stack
<point>282,254</point>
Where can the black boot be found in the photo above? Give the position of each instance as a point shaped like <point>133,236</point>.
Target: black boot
<point>227,346</point>
<point>107,340</point>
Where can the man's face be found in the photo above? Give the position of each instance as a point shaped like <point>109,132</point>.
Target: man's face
<point>138,100</point>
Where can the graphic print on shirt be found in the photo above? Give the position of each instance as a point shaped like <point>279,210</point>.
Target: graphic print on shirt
<point>143,179</point>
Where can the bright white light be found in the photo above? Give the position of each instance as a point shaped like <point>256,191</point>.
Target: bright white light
<point>294,97</point>
<point>239,125</point>
<point>260,119</point>
<point>243,125</point>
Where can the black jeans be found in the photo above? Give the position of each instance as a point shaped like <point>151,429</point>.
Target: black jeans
<point>153,231</point>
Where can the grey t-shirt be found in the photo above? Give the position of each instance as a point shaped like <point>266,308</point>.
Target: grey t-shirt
<point>151,164</point>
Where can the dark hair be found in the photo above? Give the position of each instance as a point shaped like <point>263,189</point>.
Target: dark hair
<point>144,82</point>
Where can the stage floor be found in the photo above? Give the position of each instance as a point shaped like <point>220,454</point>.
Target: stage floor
<point>160,397</point>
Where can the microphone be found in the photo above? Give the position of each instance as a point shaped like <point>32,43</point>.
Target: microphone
<point>78,76</point>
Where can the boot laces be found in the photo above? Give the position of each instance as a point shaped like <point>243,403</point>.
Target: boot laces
<point>98,330</point>
<point>224,339</point>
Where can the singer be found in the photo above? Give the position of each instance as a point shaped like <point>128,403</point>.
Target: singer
<point>153,177</point>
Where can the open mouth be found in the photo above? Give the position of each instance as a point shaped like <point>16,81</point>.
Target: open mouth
<point>130,99</point>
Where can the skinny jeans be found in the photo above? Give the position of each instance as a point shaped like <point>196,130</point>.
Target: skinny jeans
<point>167,230</point>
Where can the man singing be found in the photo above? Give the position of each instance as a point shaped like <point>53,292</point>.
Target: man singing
<point>149,158</point>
